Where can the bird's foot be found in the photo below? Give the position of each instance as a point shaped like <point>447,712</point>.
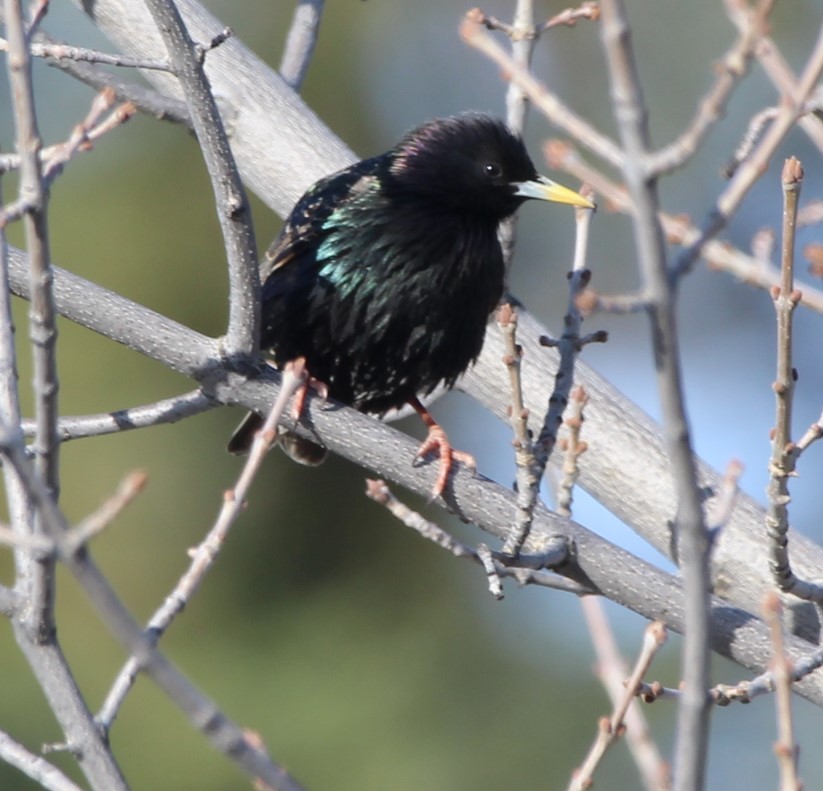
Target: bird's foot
<point>297,368</point>
<point>439,442</point>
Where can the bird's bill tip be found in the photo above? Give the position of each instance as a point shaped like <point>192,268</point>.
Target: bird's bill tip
<point>546,189</point>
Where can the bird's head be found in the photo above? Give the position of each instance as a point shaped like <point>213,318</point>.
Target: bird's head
<point>472,163</point>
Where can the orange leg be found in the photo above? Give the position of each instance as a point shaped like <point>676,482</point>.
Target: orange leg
<point>438,441</point>
<point>298,369</point>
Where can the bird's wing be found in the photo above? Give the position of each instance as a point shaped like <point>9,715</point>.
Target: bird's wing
<point>304,228</point>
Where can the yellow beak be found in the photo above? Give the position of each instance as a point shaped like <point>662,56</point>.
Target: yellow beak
<point>546,189</point>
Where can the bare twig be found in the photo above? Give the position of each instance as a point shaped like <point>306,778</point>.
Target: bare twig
<point>33,766</point>
<point>471,31</point>
<point>524,36</point>
<point>38,577</point>
<point>744,691</point>
<point>53,160</point>
<point>691,535</point>
<point>723,504</point>
<point>571,16</point>
<point>678,229</point>
<point>775,66</point>
<point>727,203</point>
<point>54,157</point>
<point>60,51</point>
<point>92,128</point>
<point>32,542</point>
<point>93,524</point>
<point>146,100</point>
<point>569,344</point>
<point>168,410</point>
<point>301,41</point>
<point>712,106</point>
<point>783,455</point>
<point>200,710</point>
<point>44,656</point>
<point>531,457</point>
<point>37,12</point>
<point>605,567</point>
<point>230,195</point>
<point>495,564</point>
<point>786,747</point>
<point>812,434</point>
<point>753,134</point>
<point>528,476</point>
<point>654,771</point>
<point>204,555</point>
<point>572,448</point>
<point>612,728</point>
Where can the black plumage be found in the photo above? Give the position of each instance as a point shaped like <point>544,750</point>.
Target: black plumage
<point>385,273</point>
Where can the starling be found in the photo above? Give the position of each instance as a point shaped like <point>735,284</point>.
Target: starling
<point>384,275</point>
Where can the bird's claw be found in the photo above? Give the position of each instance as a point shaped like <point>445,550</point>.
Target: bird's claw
<point>298,368</point>
<point>438,442</point>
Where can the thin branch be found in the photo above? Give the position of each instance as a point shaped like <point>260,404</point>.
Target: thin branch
<point>204,555</point>
<point>691,535</point>
<point>168,410</point>
<point>775,67</point>
<point>655,773</point>
<point>812,434</point>
<point>60,51</point>
<point>95,523</point>
<point>679,230</point>
<point>606,568</point>
<point>472,32</point>
<point>727,203</point>
<point>229,193</point>
<point>610,729</point>
<point>783,455</point>
<point>531,457</point>
<point>300,42</point>
<point>573,448</point>
<point>496,564</point>
<point>31,542</point>
<point>722,506</point>
<point>744,691</point>
<point>527,474</point>
<point>753,134</point>
<point>33,766</point>
<point>569,346</point>
<point>524,36</point>
<point>713,105</point>
<point>53,160</point>
<point>786,746</point>
<point>54,157</point>
<point>37,12</point>
<point>202,712</point>
<point>37,577</point>
<point>146,100</point>
<point>571,16</point>
<point>44,657</point>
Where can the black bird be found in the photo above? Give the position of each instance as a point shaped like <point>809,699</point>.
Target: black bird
<point>384,275</point>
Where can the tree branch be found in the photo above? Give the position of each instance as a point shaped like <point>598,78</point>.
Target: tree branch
<point>691,536</point>
<point>229,194</point>
<point>300,42</point>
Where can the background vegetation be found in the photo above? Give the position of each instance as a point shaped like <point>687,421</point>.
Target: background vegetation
<point>363,656</point>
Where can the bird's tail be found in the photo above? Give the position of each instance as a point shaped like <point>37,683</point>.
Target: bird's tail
<point>303,451</point>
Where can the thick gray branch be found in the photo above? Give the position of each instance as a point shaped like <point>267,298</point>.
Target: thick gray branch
<point>282,147</point>
<point>614,572</point>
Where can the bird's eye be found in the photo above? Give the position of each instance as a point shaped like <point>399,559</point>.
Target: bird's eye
<point>492,170</point>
